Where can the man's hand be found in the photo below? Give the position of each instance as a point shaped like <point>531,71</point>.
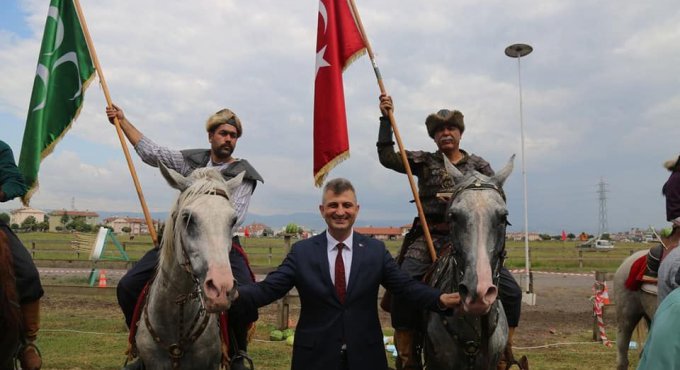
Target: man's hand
<point>386,104</point>
<point>449,300</point>
<point>115,112</point>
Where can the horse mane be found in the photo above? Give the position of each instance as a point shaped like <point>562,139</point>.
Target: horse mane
<point>204,181</point>
<point>10,317</point>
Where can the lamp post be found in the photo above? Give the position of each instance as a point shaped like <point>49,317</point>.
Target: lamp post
<point>518,51</point>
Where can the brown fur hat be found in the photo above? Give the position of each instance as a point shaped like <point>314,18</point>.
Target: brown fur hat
<point>672,164</point>
<point>444,116</point>
<point>221,117</point>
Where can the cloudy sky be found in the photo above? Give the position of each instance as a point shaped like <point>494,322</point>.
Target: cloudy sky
<point>601,99</point>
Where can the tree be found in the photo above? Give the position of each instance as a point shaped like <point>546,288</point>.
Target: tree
<point>30,223</point>
<point>4,217</point>
<point>571,236</point>
<point>64,219</point>
<point>126,229</point>
<point>43,226</point>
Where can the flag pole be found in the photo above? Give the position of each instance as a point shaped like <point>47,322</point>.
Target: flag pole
<point>126,151</point>
<point>402,152</point>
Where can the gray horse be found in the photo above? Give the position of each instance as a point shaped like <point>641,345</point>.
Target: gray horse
<point>178,328</point>
<point>631,307</point>
<point>476,335</point>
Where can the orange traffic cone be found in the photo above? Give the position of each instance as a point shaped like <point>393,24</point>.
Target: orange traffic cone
<point>605,293</point>
<point>102,279</point>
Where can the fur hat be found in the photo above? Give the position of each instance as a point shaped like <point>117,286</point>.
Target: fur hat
<point>672,164</point>
<point>444,117</point>
<point>224,116</point>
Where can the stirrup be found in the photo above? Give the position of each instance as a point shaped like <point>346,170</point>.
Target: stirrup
<point>243,355</point>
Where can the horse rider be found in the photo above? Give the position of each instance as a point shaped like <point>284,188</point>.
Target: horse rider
<point>224,129</point>
<point>446,128</point>
<point>29,289</point>
<point>671,190</point>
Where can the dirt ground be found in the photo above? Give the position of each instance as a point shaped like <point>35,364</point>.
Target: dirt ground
<point>562,310</point>
<point>562,307</point>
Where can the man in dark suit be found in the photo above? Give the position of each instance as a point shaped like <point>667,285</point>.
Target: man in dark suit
<point>337,275</point>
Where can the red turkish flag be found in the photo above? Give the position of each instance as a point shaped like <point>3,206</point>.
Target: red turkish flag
<point>338,43</point>
<point>564,235</point>
<point>246,232</point>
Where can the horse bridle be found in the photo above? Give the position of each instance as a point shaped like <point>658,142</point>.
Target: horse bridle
<point>477,185</point>
<point>176,350</point>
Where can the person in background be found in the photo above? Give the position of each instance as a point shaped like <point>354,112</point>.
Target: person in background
<point>29,288</point>
<point>670,190</point>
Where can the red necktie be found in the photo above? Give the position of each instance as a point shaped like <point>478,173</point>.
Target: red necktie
<point>340,274</point>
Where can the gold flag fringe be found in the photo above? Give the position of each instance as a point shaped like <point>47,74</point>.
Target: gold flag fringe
<point>320,176</point>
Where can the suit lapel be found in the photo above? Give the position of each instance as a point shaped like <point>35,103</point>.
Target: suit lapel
<point>321,250</point>
<point>358,257</point>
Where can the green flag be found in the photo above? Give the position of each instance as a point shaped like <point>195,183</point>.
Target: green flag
<point>64,71</point>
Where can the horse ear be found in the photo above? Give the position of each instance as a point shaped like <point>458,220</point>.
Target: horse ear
<point>234,182</point>
<point>173,178</point>
<point>502,175</point>
<point>452,170</point>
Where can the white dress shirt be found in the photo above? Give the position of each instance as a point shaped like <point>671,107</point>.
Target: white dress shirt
<point>332,251</point>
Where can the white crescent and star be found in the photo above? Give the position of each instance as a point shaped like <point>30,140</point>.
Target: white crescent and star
<point>43,72</point>
<point>320,61</point>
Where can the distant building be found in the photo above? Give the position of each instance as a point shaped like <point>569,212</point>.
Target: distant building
<point>254,230</point>
<point>136,225</point>
<point>519,236</point>
<point>381,233</point>
<point>90,218</point>
<point>18,216</point>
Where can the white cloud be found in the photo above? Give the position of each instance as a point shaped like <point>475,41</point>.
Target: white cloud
<point>599,91</point>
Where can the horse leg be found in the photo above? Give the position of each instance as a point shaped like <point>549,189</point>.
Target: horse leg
<point>629,312</point>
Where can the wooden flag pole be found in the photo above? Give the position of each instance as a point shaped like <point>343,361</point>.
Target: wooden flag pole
<point>126,151</point>
<point>390,114</point>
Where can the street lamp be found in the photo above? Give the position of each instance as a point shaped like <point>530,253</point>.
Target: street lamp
<point>518,51</point>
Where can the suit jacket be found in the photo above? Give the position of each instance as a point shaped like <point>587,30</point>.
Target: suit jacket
<point>325,324</point>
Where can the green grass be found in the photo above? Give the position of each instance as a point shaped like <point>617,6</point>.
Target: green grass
<point>269,252</point>
<point>86,332</point>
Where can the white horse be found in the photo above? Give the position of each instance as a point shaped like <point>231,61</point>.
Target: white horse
<point>477,216</point>
<point>631,307</point>
<point>179,324</point>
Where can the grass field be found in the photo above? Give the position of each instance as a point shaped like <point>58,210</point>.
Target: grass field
<point>268,252</point>
<point>85,332</point>
<point>88,332</point>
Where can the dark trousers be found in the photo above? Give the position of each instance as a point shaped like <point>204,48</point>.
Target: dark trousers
<point>131,285</point>
<point>406,316</point>
<point>29,287</point>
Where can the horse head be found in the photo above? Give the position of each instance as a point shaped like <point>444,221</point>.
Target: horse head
<point>198,234</point>
<point>477,217</point>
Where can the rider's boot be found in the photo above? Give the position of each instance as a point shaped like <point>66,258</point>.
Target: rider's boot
<point>507,356</point>
<point>240,360</point>
<point>653,261</point>
<point>408,356</point>
<point>29,355</point>
<point>135,365</point>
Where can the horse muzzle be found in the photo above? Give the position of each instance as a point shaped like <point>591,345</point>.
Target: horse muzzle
<point>480,302</point>
<point>218,289</point>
